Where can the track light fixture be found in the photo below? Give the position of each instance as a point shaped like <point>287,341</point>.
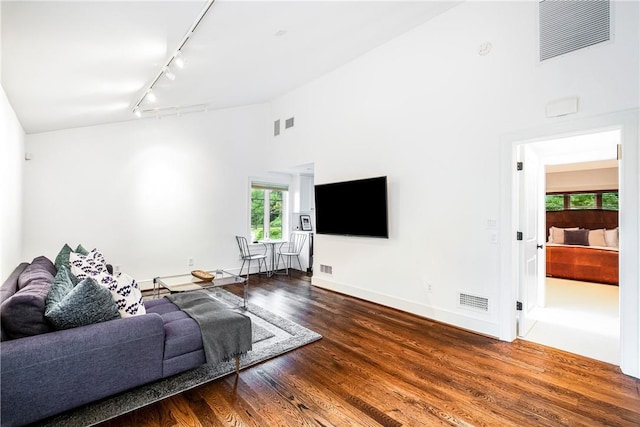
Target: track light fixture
<point>177,59</point>
<point>168,74</point>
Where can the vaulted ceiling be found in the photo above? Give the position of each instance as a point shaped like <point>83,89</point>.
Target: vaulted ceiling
<point>69,64</point>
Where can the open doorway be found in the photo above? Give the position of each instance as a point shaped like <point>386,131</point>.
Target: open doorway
<point>629,270</point>
<point>577,307</point>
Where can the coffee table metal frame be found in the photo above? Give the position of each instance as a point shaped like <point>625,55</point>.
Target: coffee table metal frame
<point>187,282</point>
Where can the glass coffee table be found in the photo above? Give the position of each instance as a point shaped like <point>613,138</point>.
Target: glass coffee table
<point>187,282</point>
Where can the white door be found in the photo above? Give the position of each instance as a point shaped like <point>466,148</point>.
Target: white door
<point>531,254</point>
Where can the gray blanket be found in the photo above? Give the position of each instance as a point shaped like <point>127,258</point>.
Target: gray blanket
<point>225,333</point>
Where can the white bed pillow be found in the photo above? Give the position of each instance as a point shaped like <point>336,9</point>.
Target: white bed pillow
<point>596,237</point>
<point>611,237</point>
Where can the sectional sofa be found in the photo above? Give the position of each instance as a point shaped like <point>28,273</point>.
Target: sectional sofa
<point>45,371</point>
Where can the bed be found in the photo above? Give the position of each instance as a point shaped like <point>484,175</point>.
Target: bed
<point>583,245</point>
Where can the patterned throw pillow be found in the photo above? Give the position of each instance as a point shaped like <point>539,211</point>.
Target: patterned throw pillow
<point>125,292</point>
<point>91,264</point>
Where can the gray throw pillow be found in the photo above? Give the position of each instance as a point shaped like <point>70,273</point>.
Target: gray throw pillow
<point>86,303</point>
<point>81,250</point>
<point>63,256</point>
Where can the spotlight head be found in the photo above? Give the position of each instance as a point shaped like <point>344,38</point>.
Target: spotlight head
<point>151,97</point>
<point>168,74</point>
<point>179,60</point>
<point>137,112</point>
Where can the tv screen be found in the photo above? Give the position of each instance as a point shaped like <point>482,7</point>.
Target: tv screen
<point>352,208</point>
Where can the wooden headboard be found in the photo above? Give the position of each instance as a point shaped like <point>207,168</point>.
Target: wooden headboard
<point>591,219</point>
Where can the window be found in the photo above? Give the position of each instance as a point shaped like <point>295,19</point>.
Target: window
<point>555,202</point>
<point>268,210</point>
<point>582,201</point>
<point>610,201</point>
<point>607,200</point>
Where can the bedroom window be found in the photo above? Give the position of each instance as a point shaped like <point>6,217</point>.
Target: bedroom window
<point>268,210</point>
<point>607,200</point>
<point>555,202</point>
<point>582,201</point>
<point>610,201</point>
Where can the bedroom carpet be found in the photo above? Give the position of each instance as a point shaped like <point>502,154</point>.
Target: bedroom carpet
<point>581,318</point>
<point>273,335</point>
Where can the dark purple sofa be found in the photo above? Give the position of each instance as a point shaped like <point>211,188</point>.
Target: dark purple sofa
<point>54,371</point>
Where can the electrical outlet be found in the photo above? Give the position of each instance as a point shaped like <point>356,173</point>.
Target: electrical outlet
<point>190,261</point>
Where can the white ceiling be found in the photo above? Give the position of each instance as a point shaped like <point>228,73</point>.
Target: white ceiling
<point>82,63</point>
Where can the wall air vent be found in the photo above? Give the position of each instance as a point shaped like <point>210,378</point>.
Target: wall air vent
<point>276,128</point>
<point>568,25</point>
<point>474,302</point>
<point>288,123</point>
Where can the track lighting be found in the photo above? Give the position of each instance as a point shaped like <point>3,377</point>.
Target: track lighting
<point>178,59</point>
<point>168,74</point>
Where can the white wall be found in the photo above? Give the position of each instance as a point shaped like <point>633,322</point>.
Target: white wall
<point>429,112</point>
<point>149,193</point>
<point>11,166</point>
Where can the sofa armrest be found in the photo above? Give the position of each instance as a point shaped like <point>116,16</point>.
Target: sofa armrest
<point>50,373</point>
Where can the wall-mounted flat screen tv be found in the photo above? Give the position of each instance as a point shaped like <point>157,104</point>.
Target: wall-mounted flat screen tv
<point>353,208</point>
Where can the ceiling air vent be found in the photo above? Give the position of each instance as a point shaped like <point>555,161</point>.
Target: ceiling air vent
<point>568,25</point>
<point>474,302</point>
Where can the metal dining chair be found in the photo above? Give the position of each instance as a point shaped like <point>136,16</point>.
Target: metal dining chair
<point>291,249</point>
<point>246,255</point>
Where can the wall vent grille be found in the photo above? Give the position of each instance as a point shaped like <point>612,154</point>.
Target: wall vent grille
<point>276,128</point>
<point>326,269</point>
<point>288,123</point>
<point>568,25</point>
<point>474,302</point>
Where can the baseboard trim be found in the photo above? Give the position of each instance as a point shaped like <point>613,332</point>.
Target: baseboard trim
<point>473,324</point>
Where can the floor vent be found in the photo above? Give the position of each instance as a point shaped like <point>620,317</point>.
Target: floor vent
<point>474,302</point>
<point>568,25</point>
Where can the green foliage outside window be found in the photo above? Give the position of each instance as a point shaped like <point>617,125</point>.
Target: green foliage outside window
<point>582,201</point>
<point>575,201</point>
<point>555,202</point>
<point>610,201</point>
<point>275,202</point>
<point>275,214</point>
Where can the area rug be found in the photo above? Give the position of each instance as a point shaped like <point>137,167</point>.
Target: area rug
<point>273,336</point>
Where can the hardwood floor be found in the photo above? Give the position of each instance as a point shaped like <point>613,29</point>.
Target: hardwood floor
<point>378,366</point>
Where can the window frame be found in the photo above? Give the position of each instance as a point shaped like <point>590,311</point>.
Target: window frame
<point>567,199</point>
<point>268,187</point>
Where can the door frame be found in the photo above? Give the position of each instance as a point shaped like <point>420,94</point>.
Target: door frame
<point>627,122</point>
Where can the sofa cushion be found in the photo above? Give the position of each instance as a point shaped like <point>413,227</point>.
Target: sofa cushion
<point>70,305</point>
<point>8,288</point>
<point>182,333</point>
<point>22,314</point>
<point>40,268</point>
